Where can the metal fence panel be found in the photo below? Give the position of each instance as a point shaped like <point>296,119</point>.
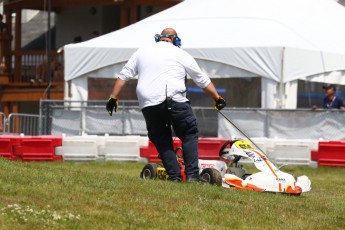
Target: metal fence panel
<point>327,125</point>
<point>65,121</point>
<point>28,124</point>
<point>98,121</point>
<point>91,117</point>
<point>251,122</point>
<point>134,122</point>
<point>288,124</point>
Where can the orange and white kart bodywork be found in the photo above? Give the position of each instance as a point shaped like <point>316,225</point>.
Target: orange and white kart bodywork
<point>269,179</point>
<point>230,174</point>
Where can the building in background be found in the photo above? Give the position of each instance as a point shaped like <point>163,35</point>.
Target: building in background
<point>23,53</point>
<point>24,42</point>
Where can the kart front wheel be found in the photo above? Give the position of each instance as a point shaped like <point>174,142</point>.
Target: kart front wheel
<point>212,176</point>
<point>149,171</point>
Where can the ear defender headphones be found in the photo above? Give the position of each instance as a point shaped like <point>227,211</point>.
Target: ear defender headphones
<point>176,40</point>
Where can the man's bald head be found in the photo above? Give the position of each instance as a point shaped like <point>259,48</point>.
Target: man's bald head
<point>169,35</point>
<point>169,31</point>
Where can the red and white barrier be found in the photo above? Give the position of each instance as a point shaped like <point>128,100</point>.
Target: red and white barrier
<point>330,153</point>
<point>139,148</point>
<point>30,148</point>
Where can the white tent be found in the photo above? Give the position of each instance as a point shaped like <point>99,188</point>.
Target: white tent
<point>279,40</point>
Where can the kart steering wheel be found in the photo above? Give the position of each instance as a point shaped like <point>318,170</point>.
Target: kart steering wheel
<point>221,153</point>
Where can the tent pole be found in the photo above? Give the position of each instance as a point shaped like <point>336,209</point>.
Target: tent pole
<point>281,84</point>
<point>49,70</point>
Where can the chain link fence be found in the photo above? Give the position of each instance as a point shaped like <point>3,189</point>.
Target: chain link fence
<point>91,117</point>
<point>288,124</point>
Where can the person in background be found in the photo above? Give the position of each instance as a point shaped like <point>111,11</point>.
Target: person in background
<point>77,39</point>
<point>56,70</point>
<point>331,101</point>
<point>2,24</point>
<point>161,68</point>
<point>94,34</point>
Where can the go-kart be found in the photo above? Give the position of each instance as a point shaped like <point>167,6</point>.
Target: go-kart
<point>269,179</point>
<point>229,173</point>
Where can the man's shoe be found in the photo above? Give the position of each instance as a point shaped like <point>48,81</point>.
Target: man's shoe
<point>174,180</point>
<point>196,178</point>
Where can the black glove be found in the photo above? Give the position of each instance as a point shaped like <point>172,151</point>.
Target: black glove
<point>219,104</point>
<point>112,104</point>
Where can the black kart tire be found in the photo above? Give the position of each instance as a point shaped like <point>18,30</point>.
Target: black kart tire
<point>212,176</point>
<point>149,171</point>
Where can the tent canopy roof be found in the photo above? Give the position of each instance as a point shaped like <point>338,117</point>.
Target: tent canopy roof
<point>247,34</point>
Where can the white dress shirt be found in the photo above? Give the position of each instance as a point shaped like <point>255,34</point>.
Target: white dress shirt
<point>161,69</point>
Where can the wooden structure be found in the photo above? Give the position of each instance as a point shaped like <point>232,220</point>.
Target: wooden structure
<point>23,73</point>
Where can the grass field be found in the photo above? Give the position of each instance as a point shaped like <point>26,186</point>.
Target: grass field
<point>109,195</point>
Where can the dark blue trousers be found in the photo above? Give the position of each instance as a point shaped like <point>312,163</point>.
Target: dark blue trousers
<point>159,120</point>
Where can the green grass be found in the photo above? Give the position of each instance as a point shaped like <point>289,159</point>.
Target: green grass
<point>110,195</point>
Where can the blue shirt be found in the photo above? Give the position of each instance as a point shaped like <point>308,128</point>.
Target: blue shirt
<point>335,103</point>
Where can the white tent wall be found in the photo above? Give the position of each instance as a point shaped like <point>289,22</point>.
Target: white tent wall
<point>318,69</point>
<point>289,101</point>
<point>94,60</point>
<point>79,89</point>
<point>269,97</point>
<point>263,61</point>
<point>278,40</point>
<point>334,77</point>
<point>219,70</point>
<point>319,62</point>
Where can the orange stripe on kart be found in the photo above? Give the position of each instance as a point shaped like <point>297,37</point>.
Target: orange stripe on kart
<point>266,161</point>
<point>297,190</point>
<point>237,183</point>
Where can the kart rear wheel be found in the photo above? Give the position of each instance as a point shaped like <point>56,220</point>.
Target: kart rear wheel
<point>212,176</point>
<point>149,171</point>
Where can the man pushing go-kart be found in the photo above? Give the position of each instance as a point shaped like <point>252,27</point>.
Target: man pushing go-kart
<point>162,69</point>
